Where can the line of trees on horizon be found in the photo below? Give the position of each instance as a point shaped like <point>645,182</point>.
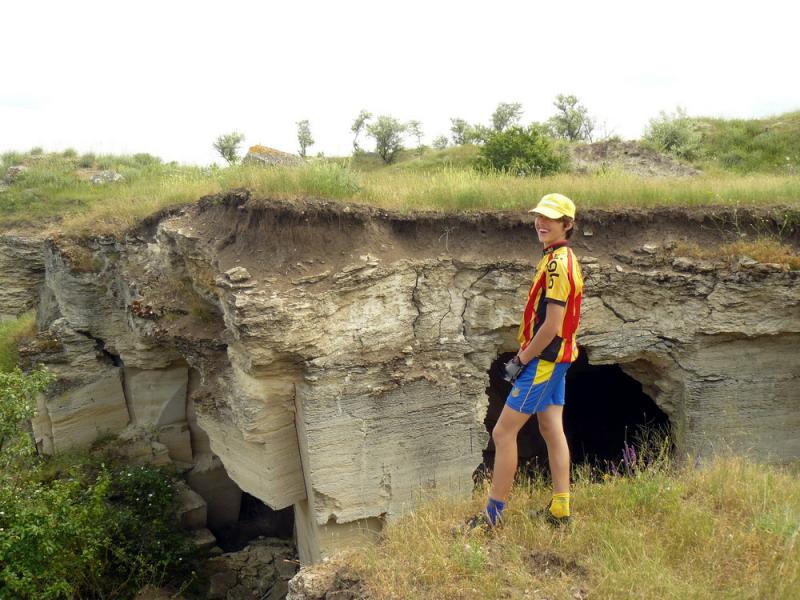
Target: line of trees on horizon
<point>571,122</point>
<point>673,133</point>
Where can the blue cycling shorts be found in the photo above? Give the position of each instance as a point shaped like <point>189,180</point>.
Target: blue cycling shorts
<point>538,386</point>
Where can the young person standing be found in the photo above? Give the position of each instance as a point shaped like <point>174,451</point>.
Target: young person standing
<point>547,348</point>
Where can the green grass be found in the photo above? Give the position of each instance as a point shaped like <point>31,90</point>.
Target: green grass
<point>55,189</point>
<point>10,334</point>
<point>454,157</point>
<point>727,530</point>
<point>769,145</point>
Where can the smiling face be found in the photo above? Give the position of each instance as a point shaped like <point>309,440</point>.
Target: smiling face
<point>550,231</point>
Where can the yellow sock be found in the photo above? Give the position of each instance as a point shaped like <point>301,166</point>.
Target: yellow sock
<point>559,507</point>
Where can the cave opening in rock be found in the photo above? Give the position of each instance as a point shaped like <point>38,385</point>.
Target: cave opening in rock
<point>604,410</point>
<point>256,519</point>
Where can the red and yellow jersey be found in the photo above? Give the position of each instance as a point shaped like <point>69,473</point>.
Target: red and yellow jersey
<point>557,279</point>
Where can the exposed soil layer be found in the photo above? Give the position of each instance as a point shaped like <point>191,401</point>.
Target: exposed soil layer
<point>301,239</point>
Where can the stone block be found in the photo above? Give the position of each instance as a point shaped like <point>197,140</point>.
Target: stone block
<point>141,449</point>
<point>157,396</point>
<point>203,539</point>
<point>192,509</point>
<point>270,471</point>
<point>223,497</point>
<point>177,439</point>
<point>82,415</point>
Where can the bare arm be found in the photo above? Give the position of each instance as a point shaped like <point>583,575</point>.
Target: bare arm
<point>545,334</point>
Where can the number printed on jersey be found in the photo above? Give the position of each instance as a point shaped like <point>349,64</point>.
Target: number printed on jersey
<point>551,274</point>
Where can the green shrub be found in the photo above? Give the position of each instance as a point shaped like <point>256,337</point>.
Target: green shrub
<point>674,134</point>
<point>522,151</point>
<point>143,159</point>
<point>86,161</point>
<point>94,530</point>
<point>17,405</point>
<point>9,159</point>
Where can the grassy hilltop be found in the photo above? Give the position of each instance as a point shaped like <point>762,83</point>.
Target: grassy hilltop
<point>743,162</point>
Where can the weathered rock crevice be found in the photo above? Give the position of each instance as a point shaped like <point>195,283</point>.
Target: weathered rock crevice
<point>336,359</point>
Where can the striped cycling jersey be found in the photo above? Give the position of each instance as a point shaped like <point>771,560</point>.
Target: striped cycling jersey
<point>557,279</point>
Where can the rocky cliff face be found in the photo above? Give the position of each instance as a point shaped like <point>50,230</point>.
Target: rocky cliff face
<point>22,268</point>
<point>336,359</point>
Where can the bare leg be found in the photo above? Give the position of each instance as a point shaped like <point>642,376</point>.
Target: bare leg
<point>504,435</point>
<point>551,426</point>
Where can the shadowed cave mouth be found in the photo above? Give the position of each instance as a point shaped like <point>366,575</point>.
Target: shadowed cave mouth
<point>604,410</point>
<point>256,519</point>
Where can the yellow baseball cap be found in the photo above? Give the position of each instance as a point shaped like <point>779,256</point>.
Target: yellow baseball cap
<point>555,206</point>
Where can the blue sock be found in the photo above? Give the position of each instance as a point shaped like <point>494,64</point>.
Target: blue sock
<point>494,510</point>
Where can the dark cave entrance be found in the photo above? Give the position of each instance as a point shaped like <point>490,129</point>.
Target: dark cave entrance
<point>605,408</point>
<point>256,519</point>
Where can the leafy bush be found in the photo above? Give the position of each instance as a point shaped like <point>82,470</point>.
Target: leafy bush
<point>92,531</point>
<point>9,159</point>
<point>17,401</point>
<point>440,142</point>
<point>674,134</point>
<point>522,151</point>
<point>86,161</point>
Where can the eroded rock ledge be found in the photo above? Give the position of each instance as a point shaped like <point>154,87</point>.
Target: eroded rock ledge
<point>335,358</point>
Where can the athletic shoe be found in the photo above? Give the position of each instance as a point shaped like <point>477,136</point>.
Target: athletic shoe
<point>544,513</point>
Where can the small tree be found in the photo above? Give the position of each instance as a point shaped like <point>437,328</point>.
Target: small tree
<point>674,133</point>
<point>304,136</point>
<point>415,129</point>
<point>459,130</point>
<point>440,142</point>
<point>522,151</point>
<point>228,146</point>
<point>464,133</point>
<point>506,115</point>
<point>388,135</point>
<point>358,125</point>
<point>478,134</point>
<point>571,121</point>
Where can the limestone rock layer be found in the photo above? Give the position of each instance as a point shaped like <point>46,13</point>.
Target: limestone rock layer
<point>336,358</point>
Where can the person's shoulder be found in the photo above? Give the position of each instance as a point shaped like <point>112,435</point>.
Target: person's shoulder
<point>563,253</point>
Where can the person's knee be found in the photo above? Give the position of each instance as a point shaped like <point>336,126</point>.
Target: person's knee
<point>549,428</point>
<point>502,435</point>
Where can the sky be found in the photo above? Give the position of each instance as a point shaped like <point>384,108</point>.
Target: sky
<point>168,77</point>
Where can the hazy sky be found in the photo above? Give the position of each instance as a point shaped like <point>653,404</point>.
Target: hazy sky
<point>168,77</point>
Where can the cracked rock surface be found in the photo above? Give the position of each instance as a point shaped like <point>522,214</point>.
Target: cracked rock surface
<point>336,359</point>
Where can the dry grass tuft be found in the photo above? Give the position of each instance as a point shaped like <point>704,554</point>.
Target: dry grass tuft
<point>11,333</point>
<point>729,529</point>
<point>764,250</point>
